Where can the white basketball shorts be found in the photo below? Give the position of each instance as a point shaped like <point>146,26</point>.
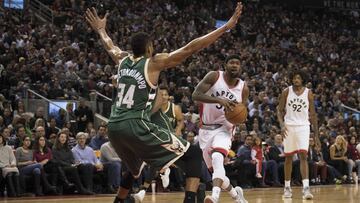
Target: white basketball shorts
<point>214,140</point>
<point>297,139</point>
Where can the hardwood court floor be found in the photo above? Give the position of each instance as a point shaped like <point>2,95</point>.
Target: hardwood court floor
<point>322,194</point>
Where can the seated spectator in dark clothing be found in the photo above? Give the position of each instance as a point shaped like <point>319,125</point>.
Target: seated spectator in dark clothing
<point>67,166</point>
<point>7,117</point>
<point>338,158</point>
<point>99,139</point>
<point>244,163</point>
<point>52,128</point>
<point>84,115</point>
<point>276,153</point>
<point>354,156</point>
<point>88,163</point>
<point>40,113</point>
<point>42,155</point>
<point>236,143</point>
<point>16,141</point>
<point>316,164</point>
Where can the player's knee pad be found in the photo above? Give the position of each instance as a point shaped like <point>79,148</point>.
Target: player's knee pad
<point>226,183</point>
<point>127,180</point>
<point>193,162</point>
<point>218,165</point>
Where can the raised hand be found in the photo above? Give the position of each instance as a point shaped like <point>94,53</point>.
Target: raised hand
<point>94,20</point>
<point>233,20</point>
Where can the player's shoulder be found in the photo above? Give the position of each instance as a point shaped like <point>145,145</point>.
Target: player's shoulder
<point>286,90</point>
<point>212,76</point>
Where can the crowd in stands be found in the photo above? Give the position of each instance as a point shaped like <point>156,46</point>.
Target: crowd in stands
<point>65,60</point>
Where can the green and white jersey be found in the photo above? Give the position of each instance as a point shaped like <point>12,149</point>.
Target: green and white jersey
<point>135,93</point>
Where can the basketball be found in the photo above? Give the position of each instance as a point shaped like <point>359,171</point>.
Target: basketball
<point>237,115</point>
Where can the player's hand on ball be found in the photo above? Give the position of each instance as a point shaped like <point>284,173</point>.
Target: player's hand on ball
<point>233,20</point>
<point>94,20</point>
<point>227,104</point>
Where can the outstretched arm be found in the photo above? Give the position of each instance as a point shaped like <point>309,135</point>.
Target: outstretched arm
<point>98,25</point>
<point>165,60</point>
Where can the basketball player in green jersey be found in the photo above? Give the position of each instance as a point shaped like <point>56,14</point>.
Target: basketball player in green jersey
<point>135,139</point>
<point>172,111</point>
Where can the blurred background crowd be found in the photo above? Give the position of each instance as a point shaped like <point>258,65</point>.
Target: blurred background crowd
<point>64,60</point>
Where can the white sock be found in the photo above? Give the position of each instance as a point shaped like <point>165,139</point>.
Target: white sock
<point>216,192</point>
<point>305,183</point>
<point>287,183</point>
<point>233,193</point>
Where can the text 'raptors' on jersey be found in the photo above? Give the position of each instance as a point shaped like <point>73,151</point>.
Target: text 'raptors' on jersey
<point>213,113</point>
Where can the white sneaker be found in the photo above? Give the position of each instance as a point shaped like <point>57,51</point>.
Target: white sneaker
<point>139,197</point>
<point>287,192</point>
<point>240,195</point>
<point>307,194</point>
<point>210,199</point>
<point>165,178</point>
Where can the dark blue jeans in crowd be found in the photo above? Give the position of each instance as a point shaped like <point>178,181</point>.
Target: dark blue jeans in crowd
<point>113,169</point>
<point>33,169</point>
<point>271,168</point>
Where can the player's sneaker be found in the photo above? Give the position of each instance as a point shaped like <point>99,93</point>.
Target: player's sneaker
<point>287,192</point>
<point>165,178</point>
<point>307,194</point>
<point>210,199</point>
<point>240,195</point>
<point>139,197</point>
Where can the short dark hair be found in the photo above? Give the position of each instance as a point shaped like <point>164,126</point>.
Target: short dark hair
<point>18,127</point>
<point>164,87</point>
<point>102,126</point>
<point>233,56</point>
<point>302,74</point>
<point>248,135</point>
<point>139,41</point>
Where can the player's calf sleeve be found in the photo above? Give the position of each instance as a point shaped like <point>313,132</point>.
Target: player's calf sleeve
<point>127,180</point>
<point>193,162</point>
<point>218,165</point>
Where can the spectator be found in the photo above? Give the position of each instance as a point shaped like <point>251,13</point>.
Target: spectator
<point>89,164</point>
<point>354,156</point>
<point>64,157</point>
<point>100,138</point>
<point>40,113</point>
<point>83,115</point>
<point>27,166</point>
<point>42,155</point>
<point>17,140</point>
<point>109,157</point>
<point>9,171</point>
<point>257,155</point>
<point>52,128</point>
<point>316,164</point>
<point>338,156</point>
<point>245,164</point>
